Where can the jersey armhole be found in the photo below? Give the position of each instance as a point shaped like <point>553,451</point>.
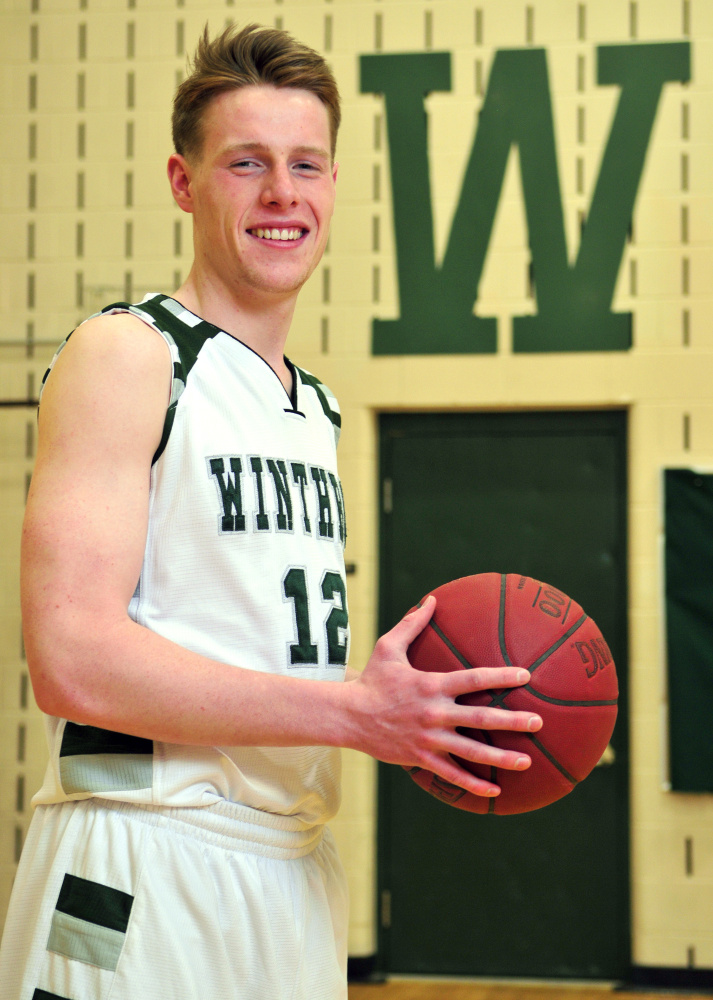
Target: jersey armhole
<point>177,380</point>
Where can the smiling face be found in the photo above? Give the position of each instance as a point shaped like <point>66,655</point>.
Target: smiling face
<point>261,191</point>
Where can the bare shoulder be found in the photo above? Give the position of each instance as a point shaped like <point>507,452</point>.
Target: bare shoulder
<point>113,376</point>
<point>118,339</point>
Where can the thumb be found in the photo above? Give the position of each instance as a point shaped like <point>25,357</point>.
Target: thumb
<point>413,623</point>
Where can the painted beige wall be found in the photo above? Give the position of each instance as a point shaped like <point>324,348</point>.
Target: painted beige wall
<point>86,216</point>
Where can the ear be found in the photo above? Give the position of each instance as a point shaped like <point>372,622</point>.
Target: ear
<point>179,177</point>
<point>335,168</point>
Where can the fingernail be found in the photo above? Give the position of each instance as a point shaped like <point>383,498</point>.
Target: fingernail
<point>534,723</point>
<point>523,677</point>
<point>522,763</point>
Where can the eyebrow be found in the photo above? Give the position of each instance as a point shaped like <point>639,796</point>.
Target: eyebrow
<point>258,147</point>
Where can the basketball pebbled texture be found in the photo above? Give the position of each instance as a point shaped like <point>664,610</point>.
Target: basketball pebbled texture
<point>494,619</point>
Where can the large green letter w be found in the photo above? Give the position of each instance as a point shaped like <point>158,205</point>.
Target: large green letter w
<point>573,300</point>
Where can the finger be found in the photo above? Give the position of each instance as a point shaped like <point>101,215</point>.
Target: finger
<point>459,682</point>
<point>405,631</point>
<point>477,752</point>
<point>447,768</point>
<point>458,776</point>
<point>456,748</point>
<point>484,717</point>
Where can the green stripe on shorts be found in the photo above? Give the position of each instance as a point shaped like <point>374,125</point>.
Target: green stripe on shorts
<point>85,942</point>
<point>95,902</point>
<point>89,922</point>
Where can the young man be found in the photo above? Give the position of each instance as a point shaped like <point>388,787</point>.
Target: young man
<point>184,601</point>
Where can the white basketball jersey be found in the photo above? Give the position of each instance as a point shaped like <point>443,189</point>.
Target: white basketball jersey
<point>243,564</point>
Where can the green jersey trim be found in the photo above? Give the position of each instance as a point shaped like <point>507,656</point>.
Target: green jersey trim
<point>186,334</point>
<point>324,395</point>
<point>98,760</point>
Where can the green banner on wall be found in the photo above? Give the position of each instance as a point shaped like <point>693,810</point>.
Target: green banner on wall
<point>689,627</point>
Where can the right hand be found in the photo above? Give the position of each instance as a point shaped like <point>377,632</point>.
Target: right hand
<point>411,717</point>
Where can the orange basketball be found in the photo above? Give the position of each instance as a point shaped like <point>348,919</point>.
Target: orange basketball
<point>494,619</point>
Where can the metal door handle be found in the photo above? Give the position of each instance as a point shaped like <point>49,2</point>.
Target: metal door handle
<point>608,757</point>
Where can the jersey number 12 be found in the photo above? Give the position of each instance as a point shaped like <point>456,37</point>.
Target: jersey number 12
<point>334,592</point>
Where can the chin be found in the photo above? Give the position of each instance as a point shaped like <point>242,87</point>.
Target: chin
<point>286,284</point>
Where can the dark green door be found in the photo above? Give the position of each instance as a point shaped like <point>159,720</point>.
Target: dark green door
<point>543,894</point>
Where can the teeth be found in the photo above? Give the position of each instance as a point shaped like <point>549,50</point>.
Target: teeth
<point>277,234</point>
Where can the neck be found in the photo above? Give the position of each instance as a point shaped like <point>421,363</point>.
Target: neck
<point>261,322</point>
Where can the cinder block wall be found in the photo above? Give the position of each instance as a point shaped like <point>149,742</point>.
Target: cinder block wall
<point>87,217</point>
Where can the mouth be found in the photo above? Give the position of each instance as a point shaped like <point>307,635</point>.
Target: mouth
<point>279,235</point>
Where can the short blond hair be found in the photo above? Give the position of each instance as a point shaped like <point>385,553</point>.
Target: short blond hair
<point>247,57</point>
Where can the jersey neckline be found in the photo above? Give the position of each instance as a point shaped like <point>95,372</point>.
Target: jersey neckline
<point>292,396</point>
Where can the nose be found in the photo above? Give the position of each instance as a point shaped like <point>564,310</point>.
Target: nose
<point>280,189</point>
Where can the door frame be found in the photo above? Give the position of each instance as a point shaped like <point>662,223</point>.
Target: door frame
<point>383,841</point>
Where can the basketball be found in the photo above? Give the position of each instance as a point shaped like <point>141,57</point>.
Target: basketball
<point>492,620</point>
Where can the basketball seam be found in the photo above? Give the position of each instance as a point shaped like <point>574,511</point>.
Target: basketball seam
<point>501,620</point>
<point>444,638</point>
<point>553,760</point>
<point>555,646</point>
<point>499,700</point>
<point>575,704</point>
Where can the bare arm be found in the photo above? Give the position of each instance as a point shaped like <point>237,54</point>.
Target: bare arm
<point>85,529</point>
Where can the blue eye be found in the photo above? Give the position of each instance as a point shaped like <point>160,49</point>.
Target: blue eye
<point>245,164</point>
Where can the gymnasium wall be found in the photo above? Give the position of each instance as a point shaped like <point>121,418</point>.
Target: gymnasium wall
<point>87,218</point>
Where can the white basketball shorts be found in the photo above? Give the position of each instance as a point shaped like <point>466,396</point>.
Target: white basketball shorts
<point>114,901</point>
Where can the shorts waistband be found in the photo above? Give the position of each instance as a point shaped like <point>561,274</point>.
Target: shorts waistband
<point>228,825</point>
